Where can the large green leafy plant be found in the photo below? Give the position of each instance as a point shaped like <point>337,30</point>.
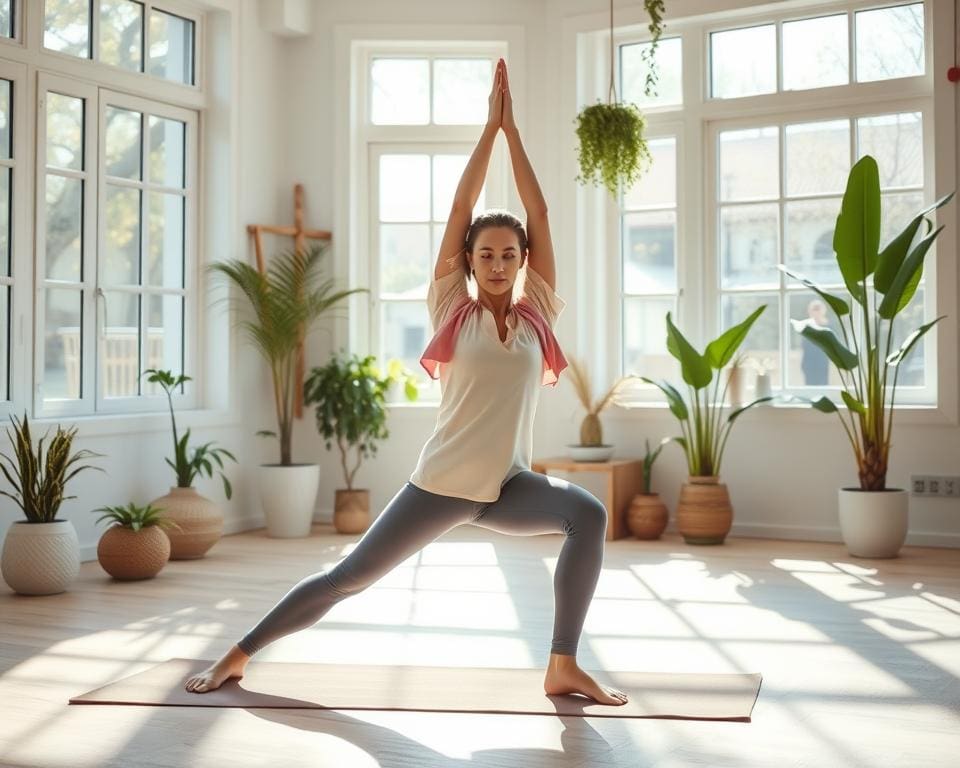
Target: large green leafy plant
<point>705,430</point>
<point>286,302</point>
<point>349,395</point>
<point>881,284</point>
<point>39,479</point>
<point>186,464</point>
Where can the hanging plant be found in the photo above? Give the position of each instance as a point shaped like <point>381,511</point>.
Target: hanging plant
<point>612,149</point>
<point>655,10</point>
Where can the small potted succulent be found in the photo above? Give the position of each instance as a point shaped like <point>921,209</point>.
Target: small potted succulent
<point>591,446</point>
<point>41,555</point>
<point>199,520</point>
<point>135,546</point>
<point>349,395</point>
<point>647,516</point>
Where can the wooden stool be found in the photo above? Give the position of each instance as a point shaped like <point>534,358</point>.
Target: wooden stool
<point>624,481</point>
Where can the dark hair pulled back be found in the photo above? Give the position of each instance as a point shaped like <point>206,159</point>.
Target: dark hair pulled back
<point>488,220</point>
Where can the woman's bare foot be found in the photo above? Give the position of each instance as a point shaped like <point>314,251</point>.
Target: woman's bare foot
<point>231,664</point>
<point>564,676</point>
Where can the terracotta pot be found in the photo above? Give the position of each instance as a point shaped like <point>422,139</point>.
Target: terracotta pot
<point>200,521</point>
<point>40,558</point>
<point>873,523</point>
<point>704,514</point>
<point>647,516</point>
<point>129,555</point>
<point>351,510</point>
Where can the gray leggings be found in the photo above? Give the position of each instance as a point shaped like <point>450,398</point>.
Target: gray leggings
<point>530,503</point>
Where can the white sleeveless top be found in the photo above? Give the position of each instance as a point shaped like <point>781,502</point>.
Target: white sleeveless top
<point>489,393</point>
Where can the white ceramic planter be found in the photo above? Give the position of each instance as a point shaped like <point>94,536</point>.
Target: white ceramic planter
<point>40,558</point>
<point>288,496</point>
<point>873,523</point>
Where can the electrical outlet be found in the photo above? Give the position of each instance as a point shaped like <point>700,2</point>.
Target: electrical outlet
<point>918,485</point>
<point>950,485</point>
<point>933,486</point>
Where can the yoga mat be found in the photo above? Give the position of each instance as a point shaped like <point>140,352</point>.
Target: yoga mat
<point>676,695</point>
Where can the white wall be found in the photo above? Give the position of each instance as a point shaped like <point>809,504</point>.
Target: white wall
<point>783,469</point>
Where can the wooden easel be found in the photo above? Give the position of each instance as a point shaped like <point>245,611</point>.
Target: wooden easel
<point>300,236</point>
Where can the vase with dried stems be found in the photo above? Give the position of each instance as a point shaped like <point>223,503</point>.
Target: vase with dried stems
<point>591,446</point>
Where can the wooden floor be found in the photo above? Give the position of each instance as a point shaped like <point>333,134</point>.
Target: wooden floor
<point>860,658</point>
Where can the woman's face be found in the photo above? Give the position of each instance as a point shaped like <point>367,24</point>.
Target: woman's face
<point>496,259</point>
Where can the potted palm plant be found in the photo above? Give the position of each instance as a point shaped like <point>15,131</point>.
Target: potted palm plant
<point>591,446</point>
<point>41,555</point>
<point>704,512</point>
<point>199,520</point>
<point>873,518</point>
<point>647,516</point>
<point>286,302</point>
<point>349,395</point>
<point>135,546</point>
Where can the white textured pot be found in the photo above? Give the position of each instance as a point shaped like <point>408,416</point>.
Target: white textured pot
<point>288,495</point>
<point>40,558</point>
<point>873,523</point>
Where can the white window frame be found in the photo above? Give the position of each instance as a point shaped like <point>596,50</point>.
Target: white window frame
<point>357,139</point>
<point>698,311</point>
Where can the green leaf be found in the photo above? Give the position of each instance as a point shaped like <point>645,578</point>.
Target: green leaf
<point>227,488</point>
<point>895,358</point>
<point>824,405</point>
<point>838,305</point>
<point>677,407</point>
<point>852,403</point>
<point>905,283</point>
<point>694,367</point>
<point>892,256</point>
<point>827,340</point>
<point>719,351</point>
<point>856,238</point>
<point>736,413</point>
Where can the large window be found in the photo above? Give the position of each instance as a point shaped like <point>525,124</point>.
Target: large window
<point>757,185</point>
<point>425,112</point>
<point>8,169</point>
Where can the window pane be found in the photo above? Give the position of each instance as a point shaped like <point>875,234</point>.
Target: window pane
<point>668,90</point>
<point>62,345</point>
<point>122,143</point>
<point>461,88</point>
<point>400,91</point>
<point>808,365</point>
<point>911,317</point>
<point>645,337</point>
<point>743,62</point>
<point>750,164</point>
<point>120,351</point>
<point>121,34</point>
<point>404,261</point>
<point>5,88</point>
<point>658,186</point>
<point>166,257</point>
<point>404,188</point>
<point>447,170</point>
<point>896,143</point>
<point>818,157</point>
<point>763,341</point>
<point>5,175</point>
<point>808,239</point>
<point>748,246</point>
<point>650,252</point>
<point>889,42</point>
<point>66,27</point>
<point>815,53</point>
<point>64,132</point>
<point>405,326</point>
<point>896,211</point>
<point>64,229</point>
<point>167,151</point>
<point>6,19</point>
<point>164,321</point>
<point>5,343</point>
<point>171,47</point>
<point>121,264</point>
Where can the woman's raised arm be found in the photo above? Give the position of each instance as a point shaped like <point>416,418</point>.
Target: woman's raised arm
<point>471,182</point>
<point>539,242</point>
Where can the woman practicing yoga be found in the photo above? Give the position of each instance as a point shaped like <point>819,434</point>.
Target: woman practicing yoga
<point>492,356</point>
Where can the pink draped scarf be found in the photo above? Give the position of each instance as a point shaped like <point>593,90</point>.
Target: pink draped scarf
<point>440,348</point>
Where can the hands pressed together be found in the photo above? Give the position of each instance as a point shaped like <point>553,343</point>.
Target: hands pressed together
<point>501,102</point>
